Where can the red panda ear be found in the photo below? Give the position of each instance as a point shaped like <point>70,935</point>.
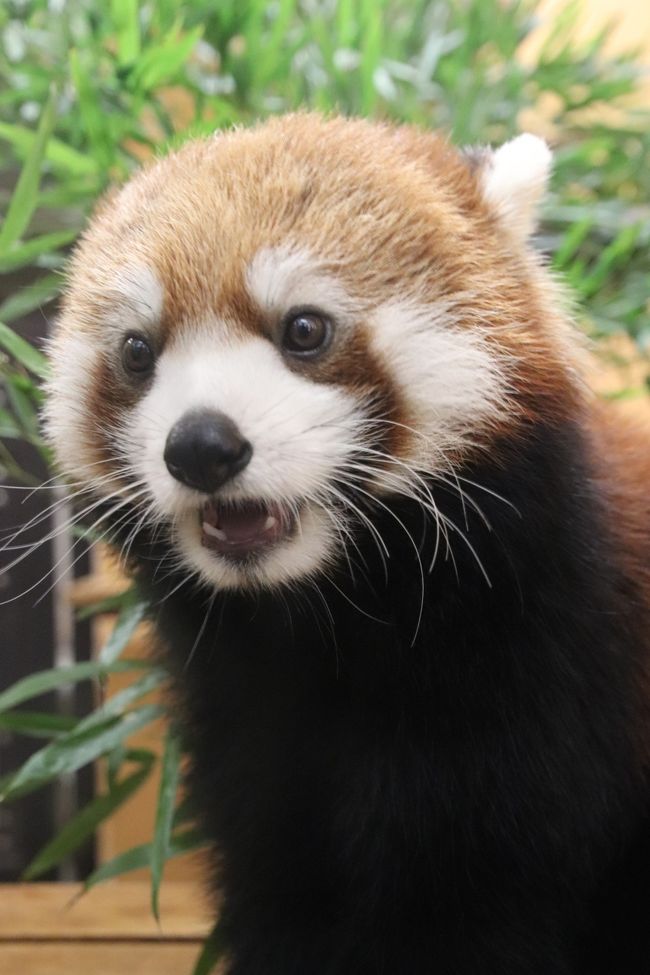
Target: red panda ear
<point>514,179</point>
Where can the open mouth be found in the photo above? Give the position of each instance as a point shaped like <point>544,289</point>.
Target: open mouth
<point>239,530</point>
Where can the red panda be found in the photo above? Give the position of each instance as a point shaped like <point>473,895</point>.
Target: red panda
<point>396,552</point>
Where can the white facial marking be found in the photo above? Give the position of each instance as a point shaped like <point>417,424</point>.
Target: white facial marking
<point>280,278</point>
<point>138,297</point>
<point>515,178</point>
<point>302,433</point>
<point>449,375</point>
<point>74,357</point>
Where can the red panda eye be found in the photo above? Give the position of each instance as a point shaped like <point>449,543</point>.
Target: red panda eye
<point>137,355</point>
<point>306,333</point>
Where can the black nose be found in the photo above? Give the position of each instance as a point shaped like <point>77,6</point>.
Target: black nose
<point>205,449</point>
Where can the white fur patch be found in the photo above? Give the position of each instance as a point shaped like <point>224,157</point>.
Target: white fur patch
<point>73,356</point>
<point>449,375</point>
<point>302,434</point>
<point>280,278</point>
<point>136,299</point>
<point>515,178</point>
<point>137,296</point>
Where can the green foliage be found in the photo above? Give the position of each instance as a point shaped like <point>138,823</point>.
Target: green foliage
<point>185,841</point>
<point>169,778</point>
<point>213,949</point>
<point>47,680</point>
<point>76,748</point>
<point>88,88</point>
<point>83,825</point>
<point>131,613</point>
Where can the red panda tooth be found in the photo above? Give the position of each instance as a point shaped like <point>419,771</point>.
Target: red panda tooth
<point>214,532</point>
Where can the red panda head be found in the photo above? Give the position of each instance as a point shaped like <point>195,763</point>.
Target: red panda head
<point>268,324</point>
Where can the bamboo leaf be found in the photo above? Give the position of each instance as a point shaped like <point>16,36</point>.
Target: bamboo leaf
<point>185,812</point>
<point>211,952</point>
<point>118,704</point>
<point>49,680</point>
<point>28,253</point>
<point>371,47</point>
<point>23,352</point>
<point>616,253</point>
<point>573,239</point>
<point>169,776</point>
<point>36,724</point>
<point>140,856</point>
<point>40,293</point>
<point>111,604</point>
<point>47,764</point>
<point>61,156</point>
<point>13,468</point>
<point>131,614</point>
<point>8,426</point>
<point>78,829</point>
<point>160,65</point>
<point>76,749</point>
<point>125,17</point>
<point>23,406</point>
<point>25,195</point>
<point>95,122</point>
<point>271,50</point>
<point>137,858</point>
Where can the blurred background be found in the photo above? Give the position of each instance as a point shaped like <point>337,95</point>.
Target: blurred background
<point>90,89</point>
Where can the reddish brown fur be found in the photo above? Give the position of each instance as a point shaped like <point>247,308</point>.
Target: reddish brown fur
<point>374,203</point>
<point>620,446</point>
<point>386,210</point>
<point>511,726</point>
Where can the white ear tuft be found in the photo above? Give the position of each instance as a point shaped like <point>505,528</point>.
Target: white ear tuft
<point>514,178</point>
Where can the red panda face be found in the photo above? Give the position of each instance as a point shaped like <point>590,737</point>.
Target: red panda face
<point>271,323</point>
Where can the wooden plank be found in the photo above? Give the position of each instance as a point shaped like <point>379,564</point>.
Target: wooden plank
<point>94,589</point>
<point>102,958</point>
<point>117,910</point>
